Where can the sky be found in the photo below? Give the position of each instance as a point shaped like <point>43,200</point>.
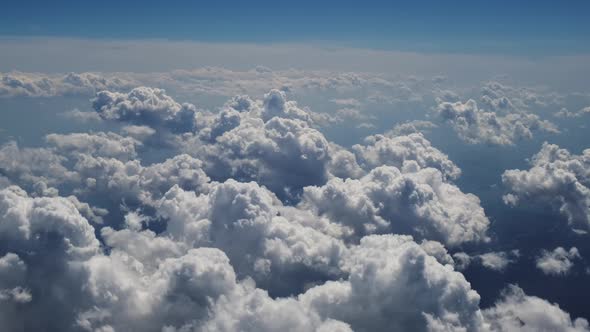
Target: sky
<point>533,28</point>
<point>294,166</point>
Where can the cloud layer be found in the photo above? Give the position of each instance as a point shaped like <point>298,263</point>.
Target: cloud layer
<point>253,220</point>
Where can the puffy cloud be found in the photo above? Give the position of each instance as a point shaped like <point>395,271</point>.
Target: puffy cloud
<point>262,238</point>
<point>461,260</point>
<point>133,182</point>
<point>12,273</point>
<point>396,150</point>
<point>32,165</point>
<point>518,312</point>
<point>81,116</point>
<point>50,238</point>
<point>160,282</point>
<point>284,153</point>
<point>415,126</point>
<point>565,113</point>
<point>500,97</point>
<point>98,168</point>
<point>101,144</point>
<point>389,276</point>
<point>413,201</point>
<point>252,310</point>
<point>475,125</point>
<point>25,218</point>
<point>180,291</point>
<point>276,104</point>
<point>146,106</point>
<point>438,251</point>
<point>140,133</point>
<point>497,261</point>
<point>130,288</point>
<point>557,262</point>
<point>556,177</point>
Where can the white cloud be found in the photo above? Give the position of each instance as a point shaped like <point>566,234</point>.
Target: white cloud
<point>262,237</point>
<point>145,106</point>
<point>389,276</point>
<point>565,113</point>
<point>32,165</point>
<point>109,145</point>
<point>498,261</point>
<point>474,125</point>
<point>557,262</point>
<point>81,116</point>
<point>396,150</point>
<point>518,312</point>
<point>44,85</point>
<point>556,177</point>
<point>410,201</point>
<point>415,126</point>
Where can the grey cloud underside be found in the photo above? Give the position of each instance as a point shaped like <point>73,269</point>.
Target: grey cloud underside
<point>256,223</point>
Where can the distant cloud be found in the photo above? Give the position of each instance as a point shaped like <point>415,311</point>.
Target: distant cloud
<point>45,85</point>
<point>476,126</point>
<point>393,150</point>
<point>81,116</point>
<point>145,106</point>
<point>414,126</point>
<point>565,113</point>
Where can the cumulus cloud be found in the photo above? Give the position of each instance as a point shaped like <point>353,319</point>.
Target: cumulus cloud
<point>146,106</point>
<point>81,116</point>
<point>556,177</point>
<point>518,312</point>
<point>497,261</point>
<point>262,237</point>
<point>475,125</point>
<point>99,169</point>
<point>415,126</point>
<point>501,97</point>
<point>557,262</point>
<point>409,201</point>
<point>272,142</point>
<point>386,275</point>
<point>565,113</point>
<point>108,145</point>
<point>32,165</point>
<point>132,182</point>
<point>396,150</point>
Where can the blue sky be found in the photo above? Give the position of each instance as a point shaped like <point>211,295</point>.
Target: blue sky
<point>504,27</point>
